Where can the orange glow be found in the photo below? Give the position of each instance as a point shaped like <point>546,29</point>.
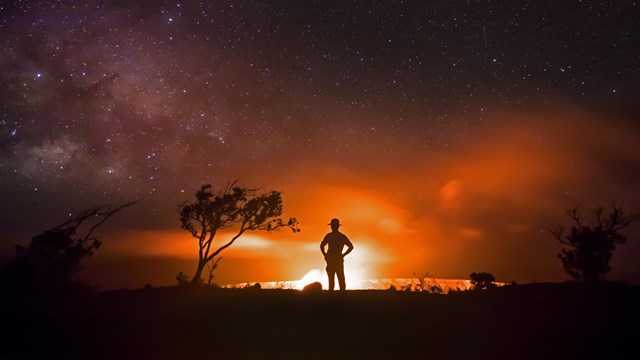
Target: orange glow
<point>484,204</point>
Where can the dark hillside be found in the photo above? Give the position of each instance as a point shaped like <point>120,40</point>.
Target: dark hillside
<point>560,321</point>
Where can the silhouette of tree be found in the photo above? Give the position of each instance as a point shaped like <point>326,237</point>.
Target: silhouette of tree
<point>247,209</point>
<point>482,280</point>
<point>52,258</point>
<point>592,241</point>
<point>422,282</point>
<point>213,265</point>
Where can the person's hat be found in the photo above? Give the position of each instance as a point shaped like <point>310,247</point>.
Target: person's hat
<point>334,221</point>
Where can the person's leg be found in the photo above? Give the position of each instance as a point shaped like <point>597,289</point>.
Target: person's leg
<point>331,274</point>
<point>340,273</point>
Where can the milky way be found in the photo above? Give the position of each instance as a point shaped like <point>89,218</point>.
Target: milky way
<point>105,101</point>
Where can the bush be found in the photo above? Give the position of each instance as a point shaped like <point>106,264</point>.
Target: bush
<point>482,280</point>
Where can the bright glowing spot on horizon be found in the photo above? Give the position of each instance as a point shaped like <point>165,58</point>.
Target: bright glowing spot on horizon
<point>311,277</point>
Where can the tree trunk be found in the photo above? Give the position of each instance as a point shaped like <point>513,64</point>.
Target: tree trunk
<point>197,276</point>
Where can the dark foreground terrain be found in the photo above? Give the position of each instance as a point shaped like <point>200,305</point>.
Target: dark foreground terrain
<point>535,321</point>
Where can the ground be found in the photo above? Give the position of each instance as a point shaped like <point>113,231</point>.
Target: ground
<point>533,321</point>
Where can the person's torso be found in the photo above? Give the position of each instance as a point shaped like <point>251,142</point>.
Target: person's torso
<point>336,242</point>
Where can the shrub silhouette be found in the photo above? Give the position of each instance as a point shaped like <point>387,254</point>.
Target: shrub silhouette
<point>52,258</point>
<point>482,280</point>
<point>422,282</point>
<point>182,279</point>
<point>212,266</point>
<point>235,206</point>
<point>591,242</point>
<point>314,287</point>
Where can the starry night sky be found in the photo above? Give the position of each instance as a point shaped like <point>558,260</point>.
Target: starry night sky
<point>475,124</point>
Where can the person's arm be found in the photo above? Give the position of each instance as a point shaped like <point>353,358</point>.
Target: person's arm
<point>349,246</point>
<point>322,245</point>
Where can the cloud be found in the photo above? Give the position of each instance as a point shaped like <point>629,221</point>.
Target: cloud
<point>486,200</point>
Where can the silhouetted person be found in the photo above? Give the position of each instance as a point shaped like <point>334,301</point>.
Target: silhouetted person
<point>334,257</point>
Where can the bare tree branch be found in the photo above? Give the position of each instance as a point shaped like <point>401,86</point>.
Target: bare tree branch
<point>105,216</point>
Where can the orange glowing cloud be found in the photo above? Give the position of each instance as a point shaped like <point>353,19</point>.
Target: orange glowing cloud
<point>482,204</point>
<point>475,204</point>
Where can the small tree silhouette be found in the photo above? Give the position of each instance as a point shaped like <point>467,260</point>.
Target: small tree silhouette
<point>592,241</point>
<point>213,265</point>
<point>182,279</point>
<point>245,208</point>
<point>482,280</point>
<point>52,258</point>
<point>424,282</point>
